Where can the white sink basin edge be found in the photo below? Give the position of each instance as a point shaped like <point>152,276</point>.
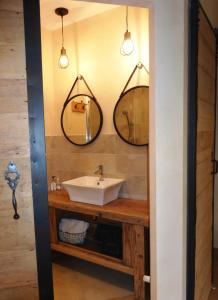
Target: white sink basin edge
<point>88,189</point>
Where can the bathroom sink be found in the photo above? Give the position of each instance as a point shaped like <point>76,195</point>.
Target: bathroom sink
<point>89,189</point>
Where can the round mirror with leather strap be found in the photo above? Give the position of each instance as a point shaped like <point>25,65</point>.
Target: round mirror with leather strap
<point>81,117</point>
<point>131,113</point>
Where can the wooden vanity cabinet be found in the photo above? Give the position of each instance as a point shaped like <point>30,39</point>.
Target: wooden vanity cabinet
<point>132,216</point>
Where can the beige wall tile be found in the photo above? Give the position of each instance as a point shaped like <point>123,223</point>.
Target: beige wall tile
<point>120,160</point>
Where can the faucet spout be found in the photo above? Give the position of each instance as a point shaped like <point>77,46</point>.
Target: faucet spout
<point>100,172</point>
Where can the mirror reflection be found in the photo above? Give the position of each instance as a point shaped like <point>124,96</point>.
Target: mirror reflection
<point>81,119</point>
<point>131,116</point>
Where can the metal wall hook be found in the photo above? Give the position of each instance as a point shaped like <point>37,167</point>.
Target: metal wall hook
<point>140,65</point>
<point>12,176</point>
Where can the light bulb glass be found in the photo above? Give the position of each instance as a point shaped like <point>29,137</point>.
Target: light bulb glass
<point>63,60</point>
<point>127,46</point>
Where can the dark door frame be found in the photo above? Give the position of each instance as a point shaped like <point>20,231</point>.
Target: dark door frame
<point>194,7</point>
<point>37,150</point>
<point>37,147</point>
<point>192,143</point>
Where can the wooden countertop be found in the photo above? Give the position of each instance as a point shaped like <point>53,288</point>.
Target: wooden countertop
<point>122,210</point>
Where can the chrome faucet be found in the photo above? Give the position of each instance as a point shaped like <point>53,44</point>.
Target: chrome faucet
<point>100,172</point>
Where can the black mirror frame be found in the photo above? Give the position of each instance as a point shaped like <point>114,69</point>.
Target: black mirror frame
<point>114,113</point>
<point>101,119</point>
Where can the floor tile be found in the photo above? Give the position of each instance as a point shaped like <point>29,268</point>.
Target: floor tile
<point>75,279</point>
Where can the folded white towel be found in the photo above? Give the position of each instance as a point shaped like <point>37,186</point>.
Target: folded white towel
<point>73,226</point>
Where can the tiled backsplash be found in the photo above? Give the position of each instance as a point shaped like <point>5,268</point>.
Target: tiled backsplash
<point>119,159</point>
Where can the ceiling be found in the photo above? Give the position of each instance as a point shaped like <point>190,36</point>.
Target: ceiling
<point>78,10</point>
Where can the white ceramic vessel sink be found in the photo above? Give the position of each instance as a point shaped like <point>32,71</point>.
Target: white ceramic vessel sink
<point>89,189</point>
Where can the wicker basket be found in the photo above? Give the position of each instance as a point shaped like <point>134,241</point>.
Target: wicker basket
<point>72,238</point>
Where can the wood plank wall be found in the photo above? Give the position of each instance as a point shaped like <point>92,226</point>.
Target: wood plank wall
<point>205,154</point>
<point>18,275</point>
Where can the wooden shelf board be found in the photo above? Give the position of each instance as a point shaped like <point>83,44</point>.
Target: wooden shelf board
<point>91,256</point>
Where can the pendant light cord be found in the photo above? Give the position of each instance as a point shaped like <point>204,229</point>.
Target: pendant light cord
<point>62,22</point>
<point>127,18</point>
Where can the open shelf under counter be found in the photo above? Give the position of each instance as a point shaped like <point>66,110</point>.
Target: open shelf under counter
<point>131,215</point>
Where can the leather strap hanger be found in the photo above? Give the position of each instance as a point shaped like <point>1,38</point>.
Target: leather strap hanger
<point>138,66</point>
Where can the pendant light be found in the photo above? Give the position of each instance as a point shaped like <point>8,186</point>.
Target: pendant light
<point>63,60</point>
<point>127,46</point>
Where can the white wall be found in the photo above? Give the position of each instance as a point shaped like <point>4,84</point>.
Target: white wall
<point>168,144</point>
